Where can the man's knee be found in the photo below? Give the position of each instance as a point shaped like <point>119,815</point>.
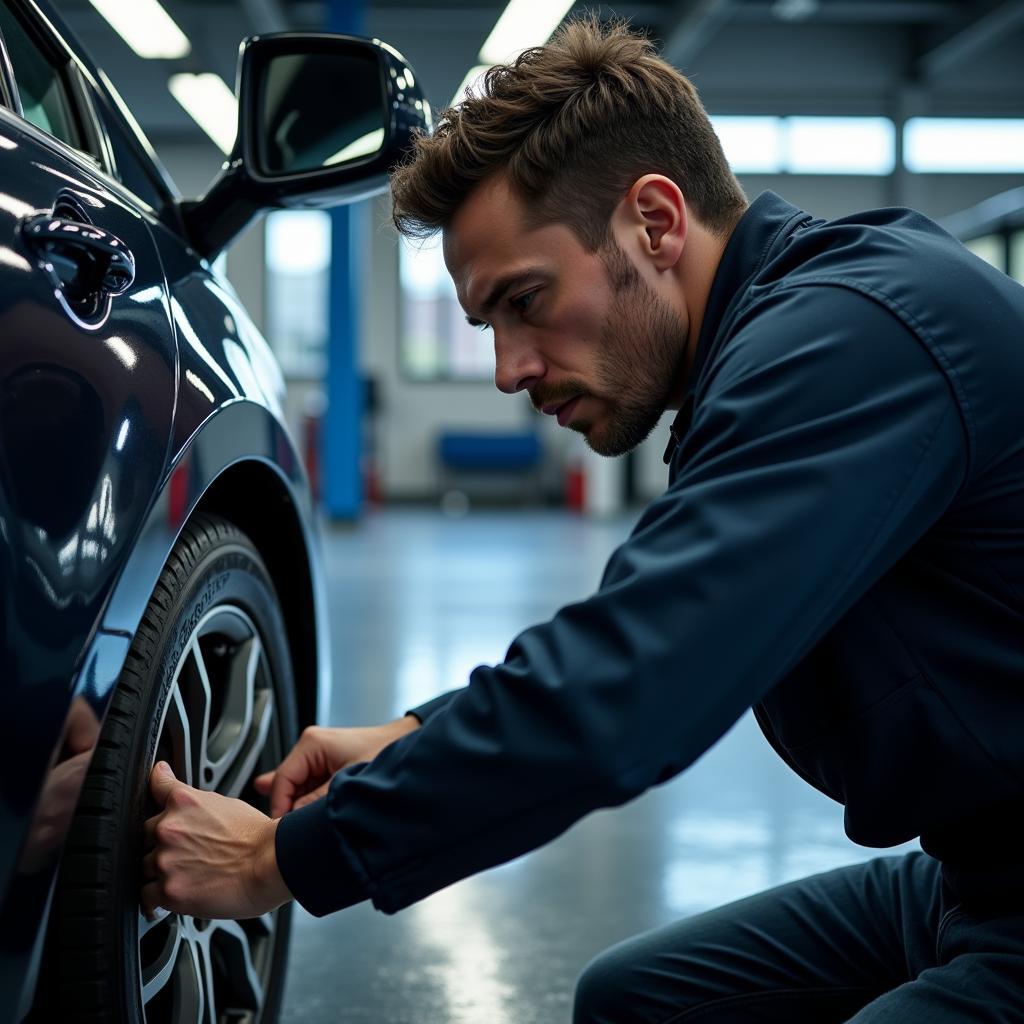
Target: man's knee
<point>610,990</point>
<point>595,991</point>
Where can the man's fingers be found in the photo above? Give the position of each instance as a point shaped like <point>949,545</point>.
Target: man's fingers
<point>282,795</point>
<point>290,780</point>
<point>150,871</point>
<point>262,783</point>
<point>310,797</point>
<point>161,782</point>
<point>150,897</point>
<point>149,831</point>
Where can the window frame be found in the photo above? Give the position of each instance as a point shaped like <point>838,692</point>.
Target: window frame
<point>91,103</point>
<point>62,60</point>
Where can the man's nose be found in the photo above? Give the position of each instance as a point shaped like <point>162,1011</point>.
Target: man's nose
<point>516,367</point>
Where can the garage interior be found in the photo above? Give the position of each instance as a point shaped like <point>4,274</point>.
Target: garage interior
<point>453,517</point>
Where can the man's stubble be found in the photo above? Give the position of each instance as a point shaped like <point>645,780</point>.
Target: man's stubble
<point>642,357</point>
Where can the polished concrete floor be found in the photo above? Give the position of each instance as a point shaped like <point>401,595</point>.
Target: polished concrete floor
<point>417,600</point>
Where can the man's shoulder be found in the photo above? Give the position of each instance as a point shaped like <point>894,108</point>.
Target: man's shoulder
<point>889,251</point>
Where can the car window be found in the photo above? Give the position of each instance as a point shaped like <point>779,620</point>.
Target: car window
<point>41,86</point>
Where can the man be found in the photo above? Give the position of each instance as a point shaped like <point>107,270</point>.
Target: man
<point>841,545</point>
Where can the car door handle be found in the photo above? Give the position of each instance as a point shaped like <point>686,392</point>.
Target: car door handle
<point>86,261</point>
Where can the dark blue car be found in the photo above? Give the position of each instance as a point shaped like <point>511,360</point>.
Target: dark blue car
<point>159,581</point>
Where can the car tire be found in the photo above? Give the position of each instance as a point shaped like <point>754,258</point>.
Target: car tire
<point>207,686</point>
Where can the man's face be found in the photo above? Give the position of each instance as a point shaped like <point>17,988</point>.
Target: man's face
<point>590,340</point>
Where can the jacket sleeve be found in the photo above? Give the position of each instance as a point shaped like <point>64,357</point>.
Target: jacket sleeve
<point>432,706</point>
<point>825,442</point>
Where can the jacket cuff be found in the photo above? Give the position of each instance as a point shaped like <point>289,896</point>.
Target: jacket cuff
<point>424,711</point>
<point>312,863</point>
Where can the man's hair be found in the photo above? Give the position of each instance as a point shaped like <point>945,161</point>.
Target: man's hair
<point>572,124</point>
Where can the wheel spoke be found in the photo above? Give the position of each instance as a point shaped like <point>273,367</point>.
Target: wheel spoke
<point>265,923</point>
<point>228,736</point>
<point>205,962</point>
<point>177,737</point>
<point>235,779</point>
<point>146,926</point>
<point>190,1002</point>
<point>243,988</point>
<point>158,973</point>
<point>193,682</point>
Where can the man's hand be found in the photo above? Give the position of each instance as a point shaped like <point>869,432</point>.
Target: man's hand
<point>304,775</point>
<point>209,856</point>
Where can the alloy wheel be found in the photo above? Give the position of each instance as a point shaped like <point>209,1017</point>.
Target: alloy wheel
<point>217,731</point>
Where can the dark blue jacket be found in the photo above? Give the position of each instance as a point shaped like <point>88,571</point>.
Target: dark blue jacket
<point>841,545</point>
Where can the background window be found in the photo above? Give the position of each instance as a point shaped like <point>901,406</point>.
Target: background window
<point>957,145</point>
<point>298,253</point>
<point>752,145</point>
<point>436,341</point>
<point>808,145</point>
<point>840,145</point>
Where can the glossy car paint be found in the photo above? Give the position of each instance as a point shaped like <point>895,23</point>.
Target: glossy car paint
<point>112,433</point>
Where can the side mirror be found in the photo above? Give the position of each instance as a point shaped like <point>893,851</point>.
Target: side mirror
<point>322,119</point>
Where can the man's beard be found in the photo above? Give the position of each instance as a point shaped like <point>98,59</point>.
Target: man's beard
<point>640,363</point>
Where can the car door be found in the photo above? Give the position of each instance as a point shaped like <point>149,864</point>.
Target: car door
<point>87,392</point>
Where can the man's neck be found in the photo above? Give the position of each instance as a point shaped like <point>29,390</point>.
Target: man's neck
<point>697,270</point>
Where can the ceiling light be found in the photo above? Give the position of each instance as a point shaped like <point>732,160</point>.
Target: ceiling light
<point>210,103</point>
<point>145,26</point>
<point>523,23</point>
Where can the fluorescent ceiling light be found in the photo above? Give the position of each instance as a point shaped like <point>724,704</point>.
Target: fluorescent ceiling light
<point>363,146</point>
<point>145,26</point>
<point>840,145</point>
<point>473,76</point>
<point>210,103</point>
<point>979,145</point>
<point>523,23</point>
<point>752,145</point>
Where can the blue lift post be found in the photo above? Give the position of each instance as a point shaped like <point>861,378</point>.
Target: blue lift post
<point>341,438</point>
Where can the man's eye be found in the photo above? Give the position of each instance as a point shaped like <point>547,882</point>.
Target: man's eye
<point>522,302</point>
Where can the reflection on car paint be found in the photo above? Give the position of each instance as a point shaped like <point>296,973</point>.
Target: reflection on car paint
<point>15,207</point>
<point>13,260</point>
<point>188,334</point>
<point>124,352</point>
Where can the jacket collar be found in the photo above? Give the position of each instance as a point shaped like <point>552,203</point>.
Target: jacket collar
<point>754,239</point>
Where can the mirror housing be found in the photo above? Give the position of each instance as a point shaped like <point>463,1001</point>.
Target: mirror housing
<point>264,171</point>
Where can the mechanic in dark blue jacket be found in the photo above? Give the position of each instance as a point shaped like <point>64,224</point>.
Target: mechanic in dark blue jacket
<point>841,546</point>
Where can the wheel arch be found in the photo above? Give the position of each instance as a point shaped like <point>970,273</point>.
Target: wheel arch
<point>241,464</point>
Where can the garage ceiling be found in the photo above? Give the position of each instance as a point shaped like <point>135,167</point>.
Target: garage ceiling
<point>891,57</point>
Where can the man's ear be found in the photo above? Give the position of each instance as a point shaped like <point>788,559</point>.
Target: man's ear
<point>656,211</point>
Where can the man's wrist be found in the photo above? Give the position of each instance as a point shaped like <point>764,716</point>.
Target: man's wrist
<point>269,880</point>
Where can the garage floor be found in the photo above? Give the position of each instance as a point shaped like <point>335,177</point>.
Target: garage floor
<point>416,601</point>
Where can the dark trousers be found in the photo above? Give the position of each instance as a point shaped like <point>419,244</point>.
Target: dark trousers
<point>884,940</point>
